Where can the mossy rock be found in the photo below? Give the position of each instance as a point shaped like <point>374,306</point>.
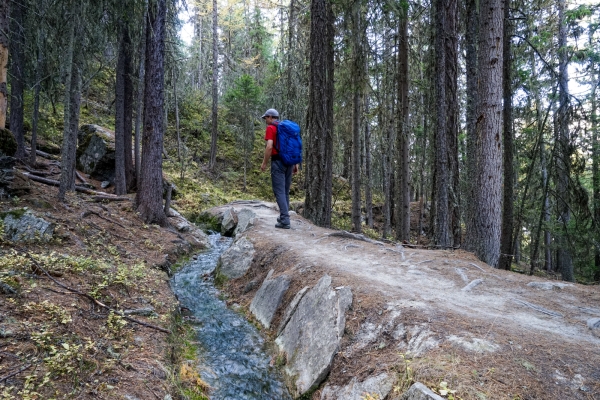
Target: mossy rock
<point>207,221</point>
<point>8,144</point>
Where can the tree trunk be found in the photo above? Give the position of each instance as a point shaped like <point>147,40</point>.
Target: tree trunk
<point>452,113</point>
<point>150,188</point>
<point>357,73</point>
<point>441,227</point>
<point>402,186</point>
<point>488,198</point>
<point>368,169</point>
<point>17,73</point>
<point>215,93</point>
<point>4,44</point>
<point>564,260</point>
<point>36,96</point>
<point>72,82</point>
<point>140,98</point>
<point>507,240</point>
<point>319,160</point>
<point>128,113</point>
<point>120,180</point>
<point>472,33</point>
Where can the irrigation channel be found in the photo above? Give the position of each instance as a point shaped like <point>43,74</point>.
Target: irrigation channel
<point>232,359</point>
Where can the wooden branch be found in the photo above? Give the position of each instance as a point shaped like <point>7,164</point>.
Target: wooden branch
<point>53,182</point>
<point>38,173</point>
<point>80,177</point>
<point>88,212</point>
<point>42,154</point>
<point>87,296</point>
<point>15,373</point>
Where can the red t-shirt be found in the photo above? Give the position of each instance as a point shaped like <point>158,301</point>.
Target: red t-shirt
<point>271,134</point>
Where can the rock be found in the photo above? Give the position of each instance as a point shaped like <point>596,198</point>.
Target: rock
<point>198,238</point>
<point>379,385</point>
<point>230,221</point>
<point>245,220</point>
<point>8,144</point>
<point>289,311</point>
<point>96,152</point>
<point>267,299</point>
<point>22,226</point>
<point>236,260</point>
<point>594,325</point>
<point>476,345</point>
<point>418,391</point>
<point>250,286</point>
<point>548,285</point>
<point>312,336</point>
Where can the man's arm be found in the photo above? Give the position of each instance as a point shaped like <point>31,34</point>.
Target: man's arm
<point>267,156</point>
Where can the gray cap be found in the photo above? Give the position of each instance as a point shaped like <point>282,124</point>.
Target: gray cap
<point>271,112</point>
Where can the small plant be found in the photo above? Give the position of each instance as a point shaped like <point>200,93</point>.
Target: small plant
<point>406,377</point>
<point>115,324</point>
<point>368,396</point>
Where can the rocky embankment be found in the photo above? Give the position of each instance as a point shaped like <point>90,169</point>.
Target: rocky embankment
<point>353,318</point>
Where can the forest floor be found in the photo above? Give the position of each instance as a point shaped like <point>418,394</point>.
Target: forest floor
<point>58,335</point>
<point>500,339</point>
<point>437,315</point>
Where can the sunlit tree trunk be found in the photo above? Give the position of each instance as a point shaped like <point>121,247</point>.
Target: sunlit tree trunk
<point>402,187</point>
<point>215,93</point>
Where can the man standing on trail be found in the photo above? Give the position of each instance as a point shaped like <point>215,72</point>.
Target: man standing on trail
<point>281,175</point>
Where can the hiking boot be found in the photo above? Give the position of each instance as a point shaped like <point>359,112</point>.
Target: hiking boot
<point>282,226</point>
<point>278,220</point>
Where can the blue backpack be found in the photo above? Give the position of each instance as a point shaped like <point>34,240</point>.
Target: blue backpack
<point>289,142</point>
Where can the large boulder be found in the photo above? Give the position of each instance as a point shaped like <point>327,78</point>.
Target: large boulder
<point>229,222</point>
<point>418,391</point>
<point>22,225</point>
<point>268,297</point>
<point>313,334</point>
<point>236,260</point>
<point>245,221</point>
<point>96,152</point>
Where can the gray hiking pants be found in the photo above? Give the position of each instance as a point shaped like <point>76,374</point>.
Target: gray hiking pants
<point>281,180</point>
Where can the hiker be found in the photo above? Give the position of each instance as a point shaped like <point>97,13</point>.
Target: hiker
<point>281,174</point>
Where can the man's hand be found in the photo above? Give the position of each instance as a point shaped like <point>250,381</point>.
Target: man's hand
<point>295,170</point>
<point>263,166</point>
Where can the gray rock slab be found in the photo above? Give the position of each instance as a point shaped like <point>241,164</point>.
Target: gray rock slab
<point>548,285</point>
<point>380,385</point>
<point>27,227</point>
<point>418,391</point>
<point>245,220</point>
<point>236,260</point>
<point>312,336</point>
<point>268,297</point>
<point>229,222</point>
<point>594,325</point>
<point>289,311</point>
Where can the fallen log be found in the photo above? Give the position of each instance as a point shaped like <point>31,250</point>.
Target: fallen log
<point>53,182</point>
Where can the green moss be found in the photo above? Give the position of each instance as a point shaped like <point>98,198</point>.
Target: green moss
<point>16,213</point>
<point>206,221</point>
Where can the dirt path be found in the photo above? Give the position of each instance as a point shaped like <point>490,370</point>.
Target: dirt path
<point>489,333</point>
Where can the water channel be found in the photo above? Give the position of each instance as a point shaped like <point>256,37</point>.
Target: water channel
<point>233,359</point>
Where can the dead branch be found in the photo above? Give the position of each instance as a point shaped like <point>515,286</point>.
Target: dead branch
<point>42,154</point>
<point>81,178</point>
<point>15,373</point>
<point>87,296</point>
<point>53,182</point>
<point>88,212</point>
<point>38,173</point>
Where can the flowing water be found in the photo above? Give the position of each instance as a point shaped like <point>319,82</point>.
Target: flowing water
<point>233,359</point>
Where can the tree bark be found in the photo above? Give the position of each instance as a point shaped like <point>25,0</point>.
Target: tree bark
<point>368,168</point>
<point>441,226</point>
<point>17,73</point>
<point>215,94</point>
<point>4,46</point>
<point>120,180</point>
<point>471,36</point>
<point>488,199</point>
<point>506,239</point>
<point>452,113</point>
<point>357,72</point>
<point>36,96</point>
<point>319,160</point>
<point>140,98</point>
<point>564,260</point>
<point>402,187</point>
<point>150,189</point>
